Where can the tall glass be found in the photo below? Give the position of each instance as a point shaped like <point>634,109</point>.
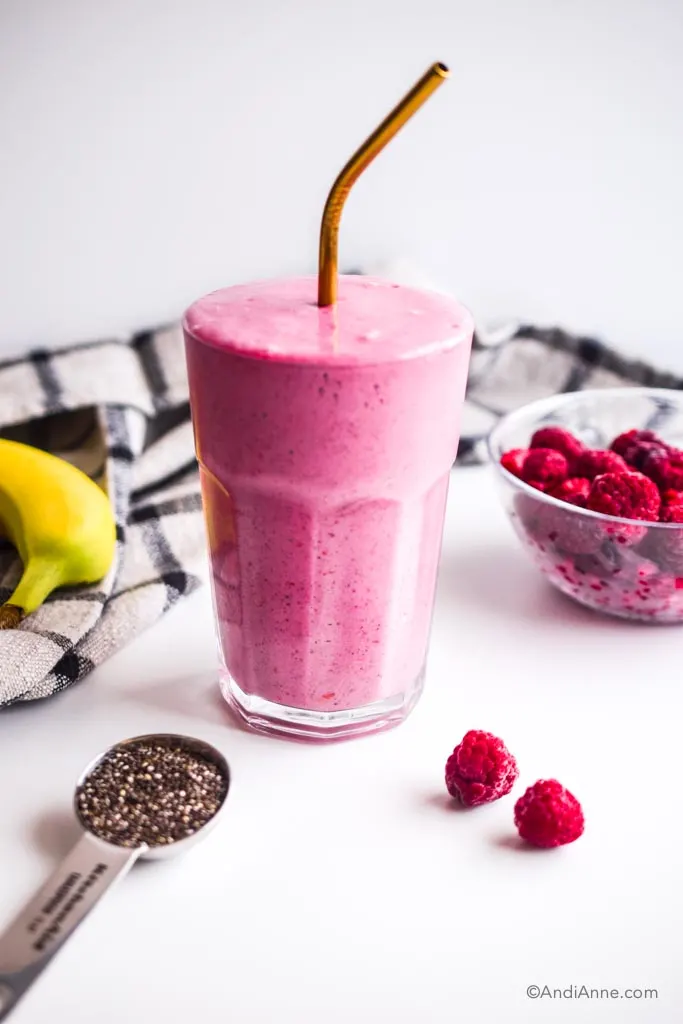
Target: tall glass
<point>325,438</point>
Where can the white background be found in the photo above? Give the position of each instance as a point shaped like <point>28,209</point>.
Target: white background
<point>152,150</point>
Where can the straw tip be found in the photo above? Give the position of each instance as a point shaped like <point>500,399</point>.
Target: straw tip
<point>442,69</point>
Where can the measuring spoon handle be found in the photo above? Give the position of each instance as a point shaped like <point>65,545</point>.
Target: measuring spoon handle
<point>54,913</point>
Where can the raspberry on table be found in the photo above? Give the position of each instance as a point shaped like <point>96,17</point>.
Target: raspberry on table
<point>575,490</point>
<point>544,468</point>
<point>559,440</point>
<point>548,815</point>
<point>480,769</point>
<point>627,495</point>
<point>513,460</point>
<point>594,462</point>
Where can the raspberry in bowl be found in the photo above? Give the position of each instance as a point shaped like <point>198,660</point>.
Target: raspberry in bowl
<point>593,484</point>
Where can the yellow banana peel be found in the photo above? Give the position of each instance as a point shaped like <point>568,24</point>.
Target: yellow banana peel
<point>60,522</point>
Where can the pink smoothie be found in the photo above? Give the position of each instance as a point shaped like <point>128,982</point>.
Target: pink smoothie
<point>325,439</point>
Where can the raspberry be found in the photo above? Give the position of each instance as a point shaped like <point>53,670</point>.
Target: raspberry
<point>560,440</point>
<point>634,445</point>
<point>672,508</point>
<point>627,495</point>
<point>480,769</point>
<point>671,514</point>
<point>647,450</point>
<point>574,489</point>
<point>514,460</point>
<point>544,468</point>
<point>672,498</point>
<point>593,463</point>
<point>637,447</point>
<point>622,442</point>
<point>665,468</point>
<point>547,815</point>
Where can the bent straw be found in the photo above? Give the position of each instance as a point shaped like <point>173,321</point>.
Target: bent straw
<point>374,144</point>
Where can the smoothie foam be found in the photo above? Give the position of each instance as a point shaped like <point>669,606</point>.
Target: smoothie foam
<point>325,439</point>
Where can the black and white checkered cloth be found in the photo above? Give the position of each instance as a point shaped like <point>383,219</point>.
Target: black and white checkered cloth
<point>119,410</point>
<point>522,363</point>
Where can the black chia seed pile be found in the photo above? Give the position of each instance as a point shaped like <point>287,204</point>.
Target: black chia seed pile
<point>150,793</point>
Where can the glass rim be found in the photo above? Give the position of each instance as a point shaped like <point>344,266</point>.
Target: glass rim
<point>460,336</point>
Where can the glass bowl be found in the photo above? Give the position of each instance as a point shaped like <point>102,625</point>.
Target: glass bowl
<point>617,566</point>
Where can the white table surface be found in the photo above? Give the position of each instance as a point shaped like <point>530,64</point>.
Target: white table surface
<point>343,885</point>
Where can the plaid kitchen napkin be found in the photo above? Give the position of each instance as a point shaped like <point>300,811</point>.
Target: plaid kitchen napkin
<point>119,410</point>
<point>521,363</point>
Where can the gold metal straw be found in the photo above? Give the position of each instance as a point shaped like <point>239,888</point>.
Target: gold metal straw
<point>374,144</point>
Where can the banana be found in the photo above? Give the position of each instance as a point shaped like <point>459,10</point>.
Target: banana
<point>60,522</point>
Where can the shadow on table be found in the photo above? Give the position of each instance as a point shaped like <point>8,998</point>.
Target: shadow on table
<point>500,580</point>
<point>197,697</point>
<point>445,803</point>
<point>54,833</point>
<point>191,696</point>
<point>515,844</point>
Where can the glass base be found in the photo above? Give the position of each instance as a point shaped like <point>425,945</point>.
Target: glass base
<point>279,720</point>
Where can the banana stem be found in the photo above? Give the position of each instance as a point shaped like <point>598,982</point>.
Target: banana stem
<point>40,578</point>
<point>10,616</point>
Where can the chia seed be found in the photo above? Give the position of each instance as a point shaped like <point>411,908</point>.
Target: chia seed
<point>150,793</point>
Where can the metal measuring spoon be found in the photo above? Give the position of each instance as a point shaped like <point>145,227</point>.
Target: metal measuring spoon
<point>84,876</point>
